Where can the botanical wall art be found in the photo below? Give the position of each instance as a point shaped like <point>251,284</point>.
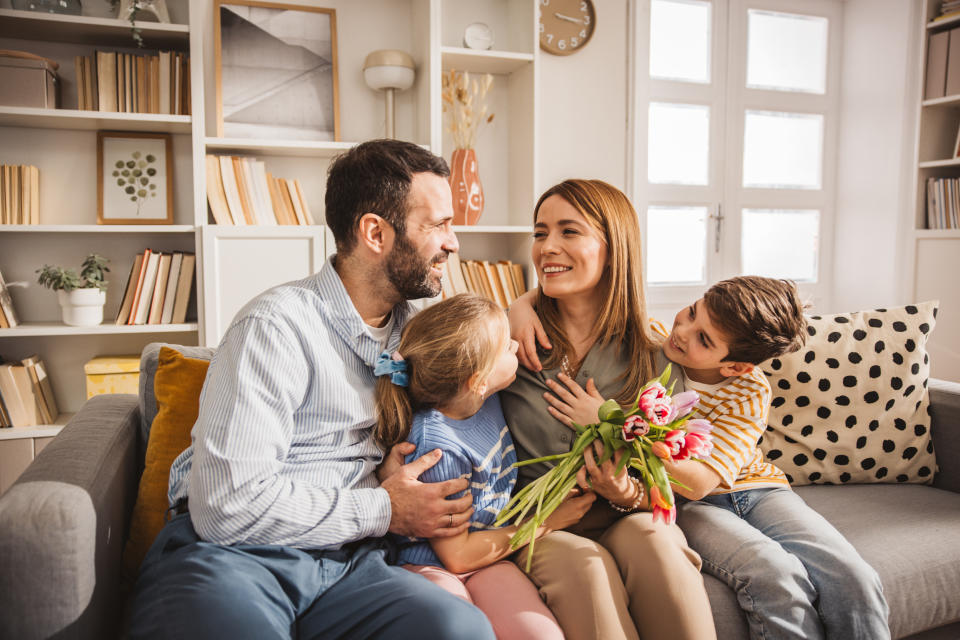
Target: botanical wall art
<point>134,175</point>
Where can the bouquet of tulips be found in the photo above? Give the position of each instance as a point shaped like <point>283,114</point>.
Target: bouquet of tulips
<point>656,427</point>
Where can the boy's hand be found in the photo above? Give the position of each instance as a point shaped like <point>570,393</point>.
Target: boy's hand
<point>421,509</point>
<point>394,459</point>
<point>573,403</point>
<point>527,330</point>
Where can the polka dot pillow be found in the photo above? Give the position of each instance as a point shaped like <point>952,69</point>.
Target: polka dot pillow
<point>852,404</point>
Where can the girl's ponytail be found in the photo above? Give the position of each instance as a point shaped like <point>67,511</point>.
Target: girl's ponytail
<point>394,413</point>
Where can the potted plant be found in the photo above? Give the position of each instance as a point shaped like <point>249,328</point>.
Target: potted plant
<point>81,296</point>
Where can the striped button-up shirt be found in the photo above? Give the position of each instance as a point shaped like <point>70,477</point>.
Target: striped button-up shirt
<point>283,451</point>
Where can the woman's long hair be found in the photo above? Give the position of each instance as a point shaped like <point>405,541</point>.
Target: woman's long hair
<point>622,316</point>
<point>443,346</point>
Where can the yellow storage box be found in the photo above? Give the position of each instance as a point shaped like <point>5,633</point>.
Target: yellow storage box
<point>112,374</point>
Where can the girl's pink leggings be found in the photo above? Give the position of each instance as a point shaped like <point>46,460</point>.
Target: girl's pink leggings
<point>504,594</point>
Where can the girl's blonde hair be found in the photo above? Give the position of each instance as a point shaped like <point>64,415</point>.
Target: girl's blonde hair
<point>622,314</point>
<point>443,346</point>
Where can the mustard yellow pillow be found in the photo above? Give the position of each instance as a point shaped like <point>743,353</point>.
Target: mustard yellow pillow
<point>177,384</point>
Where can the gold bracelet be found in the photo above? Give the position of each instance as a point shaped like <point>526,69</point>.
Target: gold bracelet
<point>636,503</point>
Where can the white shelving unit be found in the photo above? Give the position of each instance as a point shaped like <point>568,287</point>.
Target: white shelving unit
<point>236,263</point>
<point>935,253</point>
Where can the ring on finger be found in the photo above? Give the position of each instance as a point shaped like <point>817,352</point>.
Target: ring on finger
<point>450,524</point>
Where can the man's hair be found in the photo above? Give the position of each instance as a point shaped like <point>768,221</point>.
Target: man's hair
<point>761,317</point>
<point>374,177</point>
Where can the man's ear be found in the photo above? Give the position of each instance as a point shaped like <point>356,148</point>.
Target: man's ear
<point>731,369</point>
<point>374,233</point>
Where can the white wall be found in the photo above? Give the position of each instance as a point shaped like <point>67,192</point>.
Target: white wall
<point>583,105</point>
<point>875,178</point>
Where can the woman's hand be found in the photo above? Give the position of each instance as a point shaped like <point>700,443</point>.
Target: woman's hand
<point>616,488</point>
<point>573,507</point>
<point>527,330</point>
<point>573,403</point>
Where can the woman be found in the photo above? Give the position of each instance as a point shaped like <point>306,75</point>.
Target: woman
<point>616,573</point>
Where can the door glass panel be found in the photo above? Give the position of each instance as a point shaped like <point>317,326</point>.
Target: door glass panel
<point>676,245</point>
<point>786,52</point>
<point>680,40</point>
<point>782,150</point>
<point>781,243</point>
<point>678,143</point>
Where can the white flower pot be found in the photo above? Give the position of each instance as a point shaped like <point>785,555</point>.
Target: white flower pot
<point>82,307</point>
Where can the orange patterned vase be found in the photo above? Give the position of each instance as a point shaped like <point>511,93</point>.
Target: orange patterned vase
<point>466,188</point>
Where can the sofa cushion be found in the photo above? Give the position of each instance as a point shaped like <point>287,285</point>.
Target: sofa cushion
<point>178,383</point>
<point>908,534</point>
<point>148,370</point>
<point>852,404</point>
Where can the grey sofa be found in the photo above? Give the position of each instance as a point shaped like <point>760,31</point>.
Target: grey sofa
<point>64,522</point>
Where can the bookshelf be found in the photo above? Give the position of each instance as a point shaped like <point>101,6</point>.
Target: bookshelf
<point>236,263</point>
<point>933,254</point>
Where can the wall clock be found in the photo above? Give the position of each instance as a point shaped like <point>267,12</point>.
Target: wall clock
<point>566,25</point>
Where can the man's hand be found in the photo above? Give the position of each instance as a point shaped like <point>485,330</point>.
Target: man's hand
<point>421,509</point>
<point>394,460</point>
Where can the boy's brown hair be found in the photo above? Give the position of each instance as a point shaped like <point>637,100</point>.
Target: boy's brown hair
<point>761,317</point>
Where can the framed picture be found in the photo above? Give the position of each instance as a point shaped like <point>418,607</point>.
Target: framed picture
<point>134,178</point>
<point>276,71</point>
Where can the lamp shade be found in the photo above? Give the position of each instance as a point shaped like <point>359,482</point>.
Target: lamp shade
<point>388,69</point>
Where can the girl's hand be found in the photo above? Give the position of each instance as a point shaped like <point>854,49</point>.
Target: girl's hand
<point>394,459</point>
<point>573,403</point>
<point>616,488</point>
<point>574,507</point>
<point>527,330</point>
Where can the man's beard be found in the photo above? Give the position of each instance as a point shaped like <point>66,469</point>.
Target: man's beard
<point>409,273</point>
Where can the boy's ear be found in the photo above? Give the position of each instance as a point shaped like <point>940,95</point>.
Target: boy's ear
<point>731,369</point>
<point>374,233</point>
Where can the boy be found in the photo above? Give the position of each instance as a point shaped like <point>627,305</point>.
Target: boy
<point>794,574</point>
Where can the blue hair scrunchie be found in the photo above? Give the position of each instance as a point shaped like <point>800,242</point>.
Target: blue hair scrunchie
<point>395,367</point>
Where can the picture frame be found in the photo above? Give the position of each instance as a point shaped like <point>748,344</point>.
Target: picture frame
<point>134,177</point>
<point>276,71</point>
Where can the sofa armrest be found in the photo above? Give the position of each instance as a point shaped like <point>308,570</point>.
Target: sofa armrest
<point>945,431</point>
<point>63,524</point>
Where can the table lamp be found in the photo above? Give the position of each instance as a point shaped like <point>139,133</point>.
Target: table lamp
<point>388,70</point>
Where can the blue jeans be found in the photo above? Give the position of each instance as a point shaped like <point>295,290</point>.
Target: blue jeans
<point>794,574</point>
<point>193,589</point>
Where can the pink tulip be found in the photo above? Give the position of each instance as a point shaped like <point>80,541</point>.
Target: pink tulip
<point>637,426</point>
<point>667,516</point>
<point>662,510</point>
<point>627,434</point>
<point>659,412</point>
<point>698,425</point>
<point>684,403</point>
<point>695,445</point>
<point>674,440</point>
<point>650,395</point>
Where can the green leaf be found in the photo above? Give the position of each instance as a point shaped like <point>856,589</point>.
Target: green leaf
<point>665,376</point>
<point>610,410</point>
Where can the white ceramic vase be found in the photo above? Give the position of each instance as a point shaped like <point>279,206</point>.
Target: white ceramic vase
<point>82,307</point>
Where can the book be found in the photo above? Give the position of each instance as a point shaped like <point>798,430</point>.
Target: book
<point>496,285</point>
<point>184,285</point>
<point>243,188</point>
<point>163,82</point>
<point>124,313</point>
<point>156,302</point>
<point>38,369</point>
<point>170,288</point>
<point>107,80</point>
<point>6,304</point>
<point>31,365</point>
<point>303,203</point>
<point>295,201</point>
<point>216,196</point>
<point>952,87</point>
<point>17,391</point>
<point>505,277</point>
<point>265,214</point>
<point>446,286</point>
<point>518,278</point>
<point>141,308</point>
<point>230,189</point>
<point>936,81</point>
<point>138,290</point>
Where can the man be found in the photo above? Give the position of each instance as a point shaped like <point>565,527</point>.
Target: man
<point>279,508</point>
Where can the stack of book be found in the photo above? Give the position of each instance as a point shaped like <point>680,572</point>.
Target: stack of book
<point>943,203</point>
<point>8,317</point>
<point>19,194</point>
<point>241,192</point>
<point>114,81</point>
<point>158,289</point>
<point>26,397</point>
<point>500,281</point>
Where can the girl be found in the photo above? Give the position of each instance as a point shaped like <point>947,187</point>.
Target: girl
<point>438,390</point>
